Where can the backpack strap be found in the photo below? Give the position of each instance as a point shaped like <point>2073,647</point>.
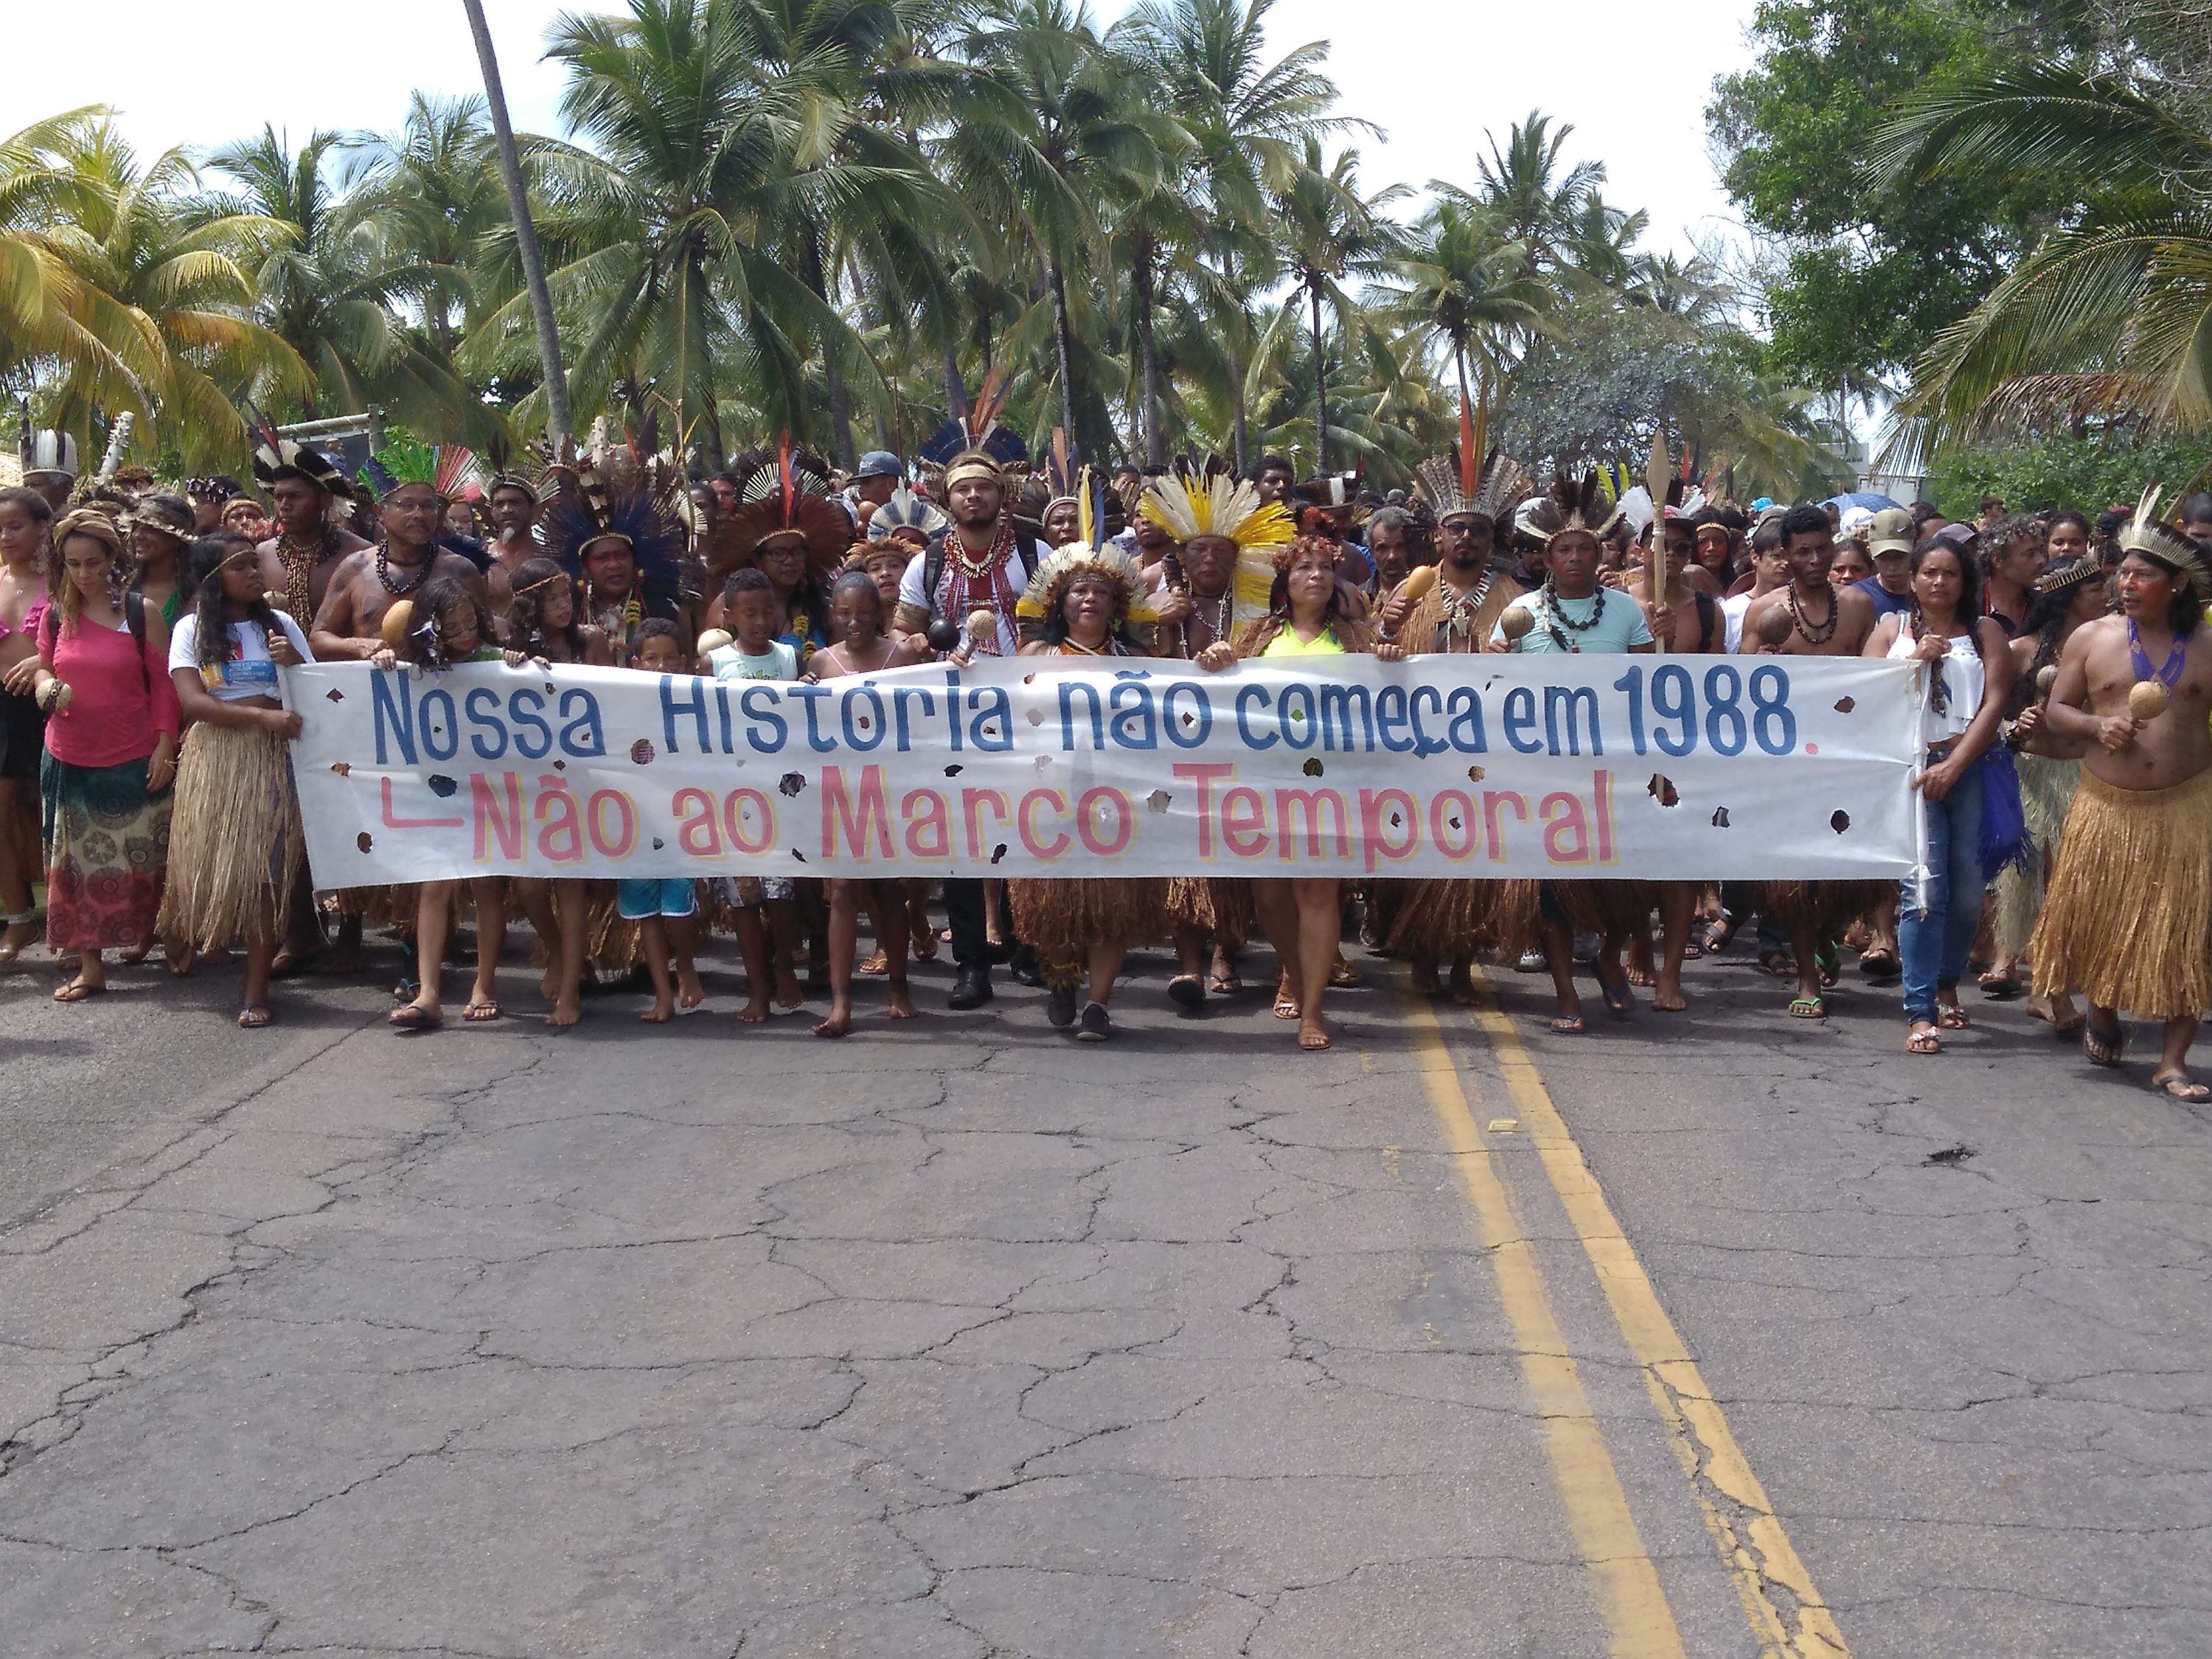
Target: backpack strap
<point>134,617</point>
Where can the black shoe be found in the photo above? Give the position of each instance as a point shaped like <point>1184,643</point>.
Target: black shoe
<point>971,987</point>
<point>1023,965</point>
<point>1060,1006</point>
<point>1095,1027</point>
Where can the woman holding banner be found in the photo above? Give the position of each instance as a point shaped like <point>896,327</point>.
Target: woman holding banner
<point>1968,666</point>
<point>1309,621</point>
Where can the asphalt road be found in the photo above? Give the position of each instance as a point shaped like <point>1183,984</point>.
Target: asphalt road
<point>1713,1335</point>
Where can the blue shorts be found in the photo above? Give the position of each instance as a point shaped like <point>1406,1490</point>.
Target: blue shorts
<point>647,895</point>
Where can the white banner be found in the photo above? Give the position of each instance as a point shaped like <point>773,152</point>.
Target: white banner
<point>1645,766</point>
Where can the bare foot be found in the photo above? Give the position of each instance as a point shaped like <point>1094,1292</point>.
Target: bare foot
<point>755,1012</point>
<point>788,993</point>
<point>690,993</point>
<point>566,1012</point>
<point>1462,983</point>
<point>840,1021</point>
<point>1668,998</point>
<point>903,1005</point>
<point>663,1011</point>
<point>1421,972</point>
<point>550,986</point>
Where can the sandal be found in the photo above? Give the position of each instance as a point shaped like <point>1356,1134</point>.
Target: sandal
<point>79,989</point>
<point>2000,987</point>
<point>2180,1085</point>
<point>1342,975</point>
<point>1881,965</point>
<point>1780,964</point>
<point>1568,1025</point>
<point>1808,1008</point>
<point>1286,1001</point>
<point>477,1013</point>
<point>414,1017</point>
<point>1223,985</point>
<point>1622,1002</point>
<point>254,1015</point>
<point>1922,1040</point>
<point>1186,991</point>
<point>1315,1042</point>
<point>2098,1048</point>
<point>1952,1017</point>
<point>1718,934</point>
<point>878,963</point>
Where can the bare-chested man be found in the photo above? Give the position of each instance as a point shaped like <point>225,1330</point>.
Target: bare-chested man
<point>2128,916</point>
<point>1811,618</point>
<point>305,485</point>
<point>514,506</point>
<point>368,583</point>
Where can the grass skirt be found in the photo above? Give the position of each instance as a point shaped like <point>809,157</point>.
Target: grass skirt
<point>1826,907</point>
<point>235,840</point>
<point>1219,905</point>
<point>1438,921</point>
<point>2046,789</point>
<point>107,840</point>
<point>2128,918</point>
<point>1064,919</point>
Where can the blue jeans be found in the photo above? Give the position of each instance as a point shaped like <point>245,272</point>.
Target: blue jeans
<point>1934,941</point>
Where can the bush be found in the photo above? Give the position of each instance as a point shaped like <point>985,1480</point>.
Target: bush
<point>2092,473</point>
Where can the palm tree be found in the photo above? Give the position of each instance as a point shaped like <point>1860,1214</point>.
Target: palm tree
<point>329,290</point>
<point>1462,281</point>
<point>1331,234</point>
<point>176,280</point>
<point>1539,207</point>
<point>2110,316</point>
<point>1057,127</point>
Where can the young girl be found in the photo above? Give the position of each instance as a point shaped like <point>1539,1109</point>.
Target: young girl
<point>452,628</point>
<point>103,681</point>
<point>1308,617</point>
<point>1969,672</point>
<point>159,527</point>
<point>857,608</point>
<point>542,624</point>
<point>238,844</point>
<point>754,652</point>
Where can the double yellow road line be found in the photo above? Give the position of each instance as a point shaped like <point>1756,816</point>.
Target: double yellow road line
<point>1779,1596</point>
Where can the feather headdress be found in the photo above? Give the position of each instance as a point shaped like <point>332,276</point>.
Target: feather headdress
<point>406,459</point>
<point>1583,506</point>
<point>614,496</point>
<point>1451,486</point>
<point>906,511</point>
<point>1214,503</point>
<point>1041,600</point>
<point>47,450</point>
<point>277,457</point>
<point>977,427</point>
<point>787,491</point>
<point>2167,544</point>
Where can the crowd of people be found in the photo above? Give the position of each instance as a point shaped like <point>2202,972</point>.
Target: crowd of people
<point>144,779</point>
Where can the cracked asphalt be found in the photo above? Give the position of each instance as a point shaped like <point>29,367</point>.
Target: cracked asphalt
<point>959,1339</point>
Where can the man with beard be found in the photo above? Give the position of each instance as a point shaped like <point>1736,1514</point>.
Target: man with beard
<point>368,582</point>
<point>1449,920</point>
<point>980,562</point>
<point>304,482</point>
<point>1813,617</point>
<point>514,505</point>
<point>1390,546</point>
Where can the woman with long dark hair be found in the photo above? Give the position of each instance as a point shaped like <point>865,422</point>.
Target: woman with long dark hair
<point>240,849</point>
<point>26,521</point>
<point>111,755</point>
<point>1310,615</point>
<point>543,620</point>
<point>1968,672</point>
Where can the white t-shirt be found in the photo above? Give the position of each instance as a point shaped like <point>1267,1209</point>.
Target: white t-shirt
<point>910,593</point>
<point>1732,613</point>
<point>250,671</point>
<point>778,662</point>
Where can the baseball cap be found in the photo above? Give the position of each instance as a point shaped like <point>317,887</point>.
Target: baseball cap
<point>879,464</point>
<point>1890,531</point>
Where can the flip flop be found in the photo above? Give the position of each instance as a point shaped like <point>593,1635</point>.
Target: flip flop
<point>76,990</point>
<point>1222,985</point>
<point>1808,1008</point>
<point>2180,1085</point>
<point>1569,1025</point>
<point>412,1018</point>
<point>1186,991</point>
<point>477,1013</point>
<point>1923,1042</point>
<point>253,1016</point>
<point>2100,1050</point>
<point>1620,1004</point>
<point>1881,965</point>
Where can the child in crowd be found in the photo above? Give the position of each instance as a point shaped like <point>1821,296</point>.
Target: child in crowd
<point>754,617</point>
<point>857,611</point>
<point>664,906</point>
<point>449,626</point>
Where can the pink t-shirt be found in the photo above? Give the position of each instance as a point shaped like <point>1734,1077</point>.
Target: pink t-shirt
<point>121,696</point>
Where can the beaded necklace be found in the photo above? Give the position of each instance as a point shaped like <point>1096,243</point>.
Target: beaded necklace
<point>1554,616</point>
<point>1797,617</point>
<point>400,590</point>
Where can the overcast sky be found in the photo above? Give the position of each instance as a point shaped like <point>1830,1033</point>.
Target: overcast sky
<point>1434,75</point>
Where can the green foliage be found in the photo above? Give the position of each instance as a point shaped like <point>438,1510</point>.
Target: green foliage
<point>2092,473</point>
<point>1872,270</point>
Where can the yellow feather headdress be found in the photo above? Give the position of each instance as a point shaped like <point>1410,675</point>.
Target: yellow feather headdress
<point>1217,504</point>
<point>1045,588</point>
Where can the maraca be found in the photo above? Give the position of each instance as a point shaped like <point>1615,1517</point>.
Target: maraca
<point>2148,699</point>
<point>2046,677</point>
<point>1419,581</point>
<point>942,634</point>
<point>982,626</point>
<point>398,622</point>
<point>712,640</point>
<point>1776,625</point>
<point>1515,622</point>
